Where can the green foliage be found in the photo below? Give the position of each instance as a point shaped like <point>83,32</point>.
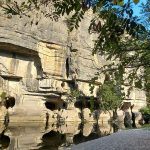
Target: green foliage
<point>145,110</point>
<point>147,84</point>
<point>148,97</point>
<point>3,95</point>
<point>73,22</point>
<point>73,8</point>
<point>146,15</point>
<point>121,2</point>
<point>146,126</point>
<point>147,76</point>
<point>110,95</point>
<point>138,84</point>
<point>75,93</point>
<point>67,6</point>
<point>92,103</point>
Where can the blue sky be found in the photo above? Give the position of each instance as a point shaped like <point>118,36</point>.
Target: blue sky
<point>136,8</point>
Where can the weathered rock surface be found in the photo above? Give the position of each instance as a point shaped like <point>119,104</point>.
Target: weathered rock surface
<point>41,64</point>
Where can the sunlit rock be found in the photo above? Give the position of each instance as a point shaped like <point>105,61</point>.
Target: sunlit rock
<point>3,113</point>
<point>105,117</point>
<point>87,115</point>
<point>87,128</point>
<point>42,64</point>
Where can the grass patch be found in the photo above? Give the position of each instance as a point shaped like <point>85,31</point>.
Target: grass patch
<point>146,126</point>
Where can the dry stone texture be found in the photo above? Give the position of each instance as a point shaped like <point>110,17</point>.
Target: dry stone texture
<point>41,63</point>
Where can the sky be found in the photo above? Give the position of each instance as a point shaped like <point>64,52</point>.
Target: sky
<point>136,8</point>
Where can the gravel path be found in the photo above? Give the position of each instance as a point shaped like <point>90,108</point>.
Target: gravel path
<point>135,139</point>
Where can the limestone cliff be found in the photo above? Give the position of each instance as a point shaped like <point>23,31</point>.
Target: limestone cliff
<point>41,63</point>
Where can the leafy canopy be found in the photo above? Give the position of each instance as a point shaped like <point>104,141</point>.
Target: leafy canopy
<point>110,95</point>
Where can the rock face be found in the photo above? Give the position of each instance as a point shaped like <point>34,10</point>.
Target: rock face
<point>41,64</point>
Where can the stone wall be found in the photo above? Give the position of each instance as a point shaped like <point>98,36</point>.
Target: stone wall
<point>41,64</point>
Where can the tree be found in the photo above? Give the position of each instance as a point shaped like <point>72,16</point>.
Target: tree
<point>110,97</point>
<point>146,13</point>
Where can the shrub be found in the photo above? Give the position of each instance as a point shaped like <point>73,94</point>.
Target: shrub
<point>146,114</point>
<point>145,110</point>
